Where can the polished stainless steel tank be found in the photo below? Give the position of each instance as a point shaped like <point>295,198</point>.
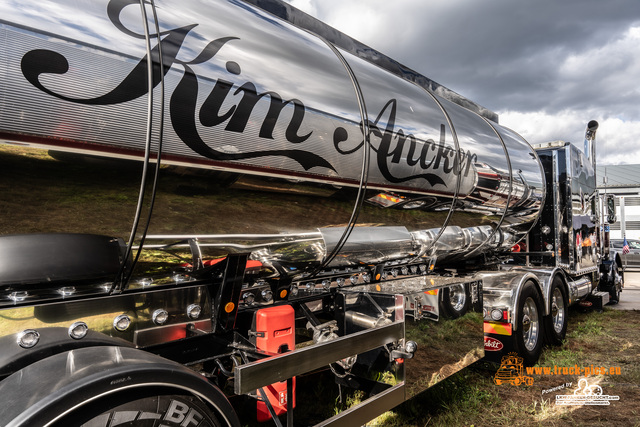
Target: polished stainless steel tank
<point>302,152</point>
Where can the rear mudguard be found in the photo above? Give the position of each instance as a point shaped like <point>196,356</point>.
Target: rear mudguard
<point>45,391</point>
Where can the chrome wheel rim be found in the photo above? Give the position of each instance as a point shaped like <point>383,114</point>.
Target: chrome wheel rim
<point>558,314</point>
<point>530,324</point>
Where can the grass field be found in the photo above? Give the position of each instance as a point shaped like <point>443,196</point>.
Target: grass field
<point>610,339</point>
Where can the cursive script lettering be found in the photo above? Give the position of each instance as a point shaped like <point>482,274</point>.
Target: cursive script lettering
<point>395,147</point>
<point>183,108</point>
<point>232,105</point>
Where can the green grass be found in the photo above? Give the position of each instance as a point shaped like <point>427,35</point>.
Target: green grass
<point>470,398</point>
<point>450,402</point>
<point>591,327</point>
<point>561,357</point>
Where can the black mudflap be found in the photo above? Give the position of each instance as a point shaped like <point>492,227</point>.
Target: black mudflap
<point>496,346</point>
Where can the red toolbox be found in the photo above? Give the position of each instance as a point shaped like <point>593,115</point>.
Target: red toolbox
<point>274,331</point>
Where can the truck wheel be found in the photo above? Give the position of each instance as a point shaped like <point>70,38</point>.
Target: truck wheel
<point>165,410</point>
<point>611,280</point>
<point>614,295</point>
<point>528,336</point>
<point>555,324</point>
<point>455,301</point>
<point>109,386</point>
<point>615,283</point>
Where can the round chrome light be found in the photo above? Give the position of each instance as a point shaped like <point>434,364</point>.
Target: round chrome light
<point>549,247</point>
<point>423,268</point>
<point>249,297</point>
<point>404,270</point>
<point>326,284</point>
<point>353,279</point>
<point>267,295</point>
<point>160,316</point>
<point>179,278</point>
<point>545,229</point>
<point>67,291</point>
<point>18,296</point>
<point>496,314</point>
<point>294,290</point>
<point>122,323</point>
<point>384,275</point>
<point>366,277</point>
<point>414,269</point>
<point>145,281</point>
<point>78,330</point>
<point>411,347</point>
<point>193,311</point>
<point>484,312</point>
<point>394,272</point>
<point>340,281</point>
<point>28,338</point>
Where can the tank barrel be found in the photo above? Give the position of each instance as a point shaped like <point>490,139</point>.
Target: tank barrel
<point>256,105</point>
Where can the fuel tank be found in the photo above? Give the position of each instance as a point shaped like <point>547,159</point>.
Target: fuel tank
<point>272,140</point>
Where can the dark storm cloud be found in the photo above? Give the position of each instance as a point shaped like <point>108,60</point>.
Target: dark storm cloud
<point>508,53</point>
<point>546,66</point>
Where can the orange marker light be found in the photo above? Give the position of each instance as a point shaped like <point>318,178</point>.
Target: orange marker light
<point>229,307</point>
<point>283,294</point>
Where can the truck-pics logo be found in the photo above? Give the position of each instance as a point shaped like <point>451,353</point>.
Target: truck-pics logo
<point>511,371</point>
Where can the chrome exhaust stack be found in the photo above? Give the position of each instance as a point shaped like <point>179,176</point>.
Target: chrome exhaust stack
<point>590,142</point>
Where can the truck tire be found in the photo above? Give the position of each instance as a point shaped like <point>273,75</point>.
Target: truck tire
<point>614,282</point>
<point>165,410</point>
<point>455,301</point>
<point>528,336</point>
<point>614,295</point>
<point>555,324</point>
<point>104,385</point>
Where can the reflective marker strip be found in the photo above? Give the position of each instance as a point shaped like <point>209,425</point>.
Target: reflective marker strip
<point>391,198</point>
<point>497,328</point>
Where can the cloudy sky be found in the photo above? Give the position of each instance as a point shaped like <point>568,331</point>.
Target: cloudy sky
<point>546,67</point>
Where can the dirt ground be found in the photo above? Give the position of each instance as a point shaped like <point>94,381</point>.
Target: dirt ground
<point>608,339</point>
<point>605,340</point>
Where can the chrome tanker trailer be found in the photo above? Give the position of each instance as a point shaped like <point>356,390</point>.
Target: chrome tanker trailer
<point>219,212</point>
